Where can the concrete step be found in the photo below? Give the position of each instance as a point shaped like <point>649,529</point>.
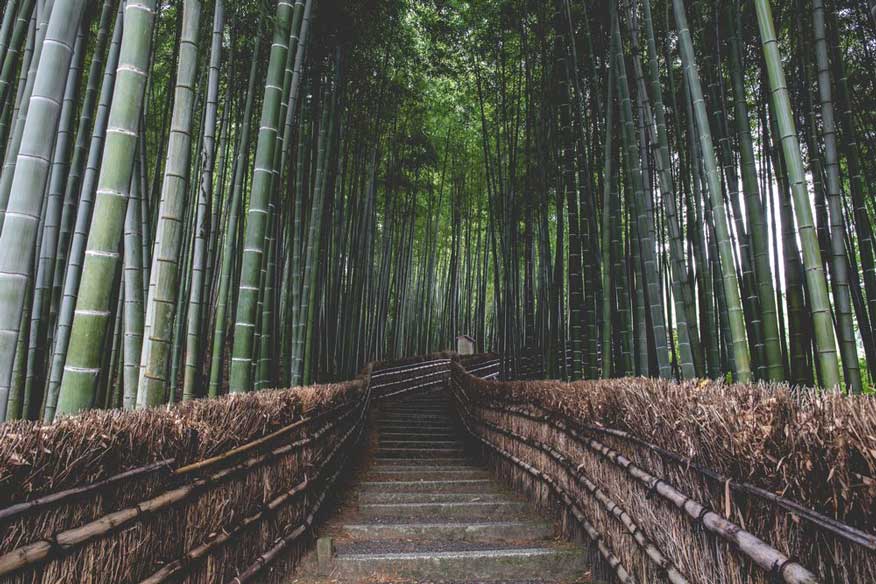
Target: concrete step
<point>419,412</point>
<point>484,531</point>
<point>469,473</point>
<point>415,420</point>
<point>435,401</point>
<point>486,564</point>
<point>423,497</point>
<point>431,394</point>
<point>414,424</point>
<point>408,430</point>
<point>432,511</point>
<point>422,444</point>
<point>399,436</point>
<point>421,486</point>
<point>420,453</point>
<point>415,408</point>
<point>422,464</point>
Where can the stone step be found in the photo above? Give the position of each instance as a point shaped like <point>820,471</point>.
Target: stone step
<point>421,486</point>
<point>417,420</point>
<point>418,413</point>
<point>424,464</point>
<point>421,444</point>
<point>418,406</point>
<point>400,436</point>
<point>421,453</point>
<point>415,430</point>
<point>407,407</point>
<point>470,473</point>
<point>412,423</point>
<point>486,564</point>
<point>417,417</point>
<point>484,531</point>
<point>418,403</point>
<point>424,497</point>
<point>477,509</point>
<point>433,393</point>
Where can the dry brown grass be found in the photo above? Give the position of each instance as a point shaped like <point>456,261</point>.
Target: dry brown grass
<point>818,448</point>
<point>36,459</point>
<point>815,448</point>
<point>39,459</point>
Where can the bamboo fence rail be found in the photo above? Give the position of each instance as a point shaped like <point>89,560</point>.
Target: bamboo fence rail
<point>248,505</point>
<point>613,487</point>
<point>242,506</point>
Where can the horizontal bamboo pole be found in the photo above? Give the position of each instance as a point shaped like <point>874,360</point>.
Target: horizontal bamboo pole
<point>411,389</point>
<point>171,570</point>
<point>761,553</point>
<point>482,367</point>
<point>444,371</point>
<point>838,528</point>
<point>605,551</point>
<point>255,444</point>
<point>271,554</point>
<point>28,507</point>
<point>653,552</point>
<point>411,367</point>
<point>39,551</point>
<point>14,511</point>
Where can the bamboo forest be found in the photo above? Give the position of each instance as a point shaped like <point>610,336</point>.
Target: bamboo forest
<point>647,224</point>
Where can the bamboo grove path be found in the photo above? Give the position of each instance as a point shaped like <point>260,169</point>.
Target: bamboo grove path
<point>424,510</point>
<point>422,470</point>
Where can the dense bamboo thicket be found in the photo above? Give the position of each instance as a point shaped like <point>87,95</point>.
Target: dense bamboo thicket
<point>202,196</point>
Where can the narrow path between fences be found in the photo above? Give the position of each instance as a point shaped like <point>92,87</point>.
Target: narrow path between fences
<point>423,510</point>
<point>421,470</point>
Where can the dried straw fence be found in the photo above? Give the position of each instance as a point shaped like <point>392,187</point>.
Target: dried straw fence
<point>691,482</point>
<point>221,490</point>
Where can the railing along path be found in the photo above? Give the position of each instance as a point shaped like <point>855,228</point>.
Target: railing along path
<point>527,445</point>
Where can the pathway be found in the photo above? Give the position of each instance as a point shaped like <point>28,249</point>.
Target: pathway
<point>422,511</point>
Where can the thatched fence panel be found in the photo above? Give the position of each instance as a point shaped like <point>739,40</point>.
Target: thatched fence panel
<point>208,491</point>
<point>692,482</point>
<point>654,515</point>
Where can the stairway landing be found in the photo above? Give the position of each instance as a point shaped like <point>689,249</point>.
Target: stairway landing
<point>423,511</point>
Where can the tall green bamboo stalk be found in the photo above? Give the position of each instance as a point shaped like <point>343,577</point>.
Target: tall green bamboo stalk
<point>816,283</point>
<point>257,215</point>
<point>838,260</point>
<point>76,255</point>
<point>205,195</point>
<point>19,235</point>
<point>90,322</point>
<point>735,315</point>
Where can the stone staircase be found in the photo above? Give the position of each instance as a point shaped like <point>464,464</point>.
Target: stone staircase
<point>423,511</point>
